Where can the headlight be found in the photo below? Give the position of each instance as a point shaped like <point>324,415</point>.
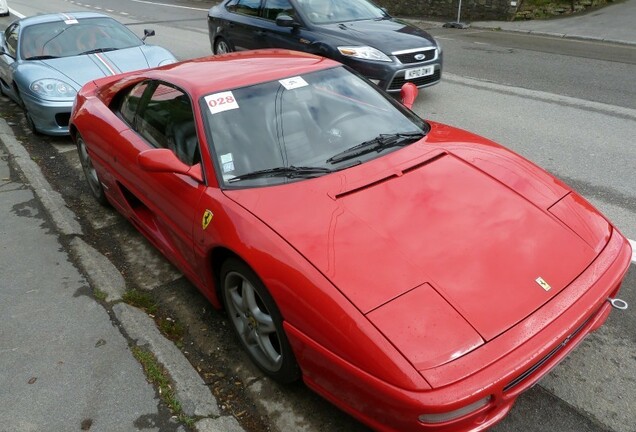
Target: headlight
<point>439,47</point>
<point>451,415</point>
<point>51,88</point>
<point>364,52</point>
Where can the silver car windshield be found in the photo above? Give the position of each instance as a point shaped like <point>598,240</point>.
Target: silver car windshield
<point>302,127</point>
<point>332,11</point>
<point>74,37</point>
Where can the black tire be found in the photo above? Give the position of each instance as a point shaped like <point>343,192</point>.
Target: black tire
<point>222,46</point>
<point>29,120</point>
<point>257,322</point>
<point>27,115</point>
<point>94,184</point>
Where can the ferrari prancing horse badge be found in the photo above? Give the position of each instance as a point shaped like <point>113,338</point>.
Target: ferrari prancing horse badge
<point>207,218</point>
<point>543,284</point>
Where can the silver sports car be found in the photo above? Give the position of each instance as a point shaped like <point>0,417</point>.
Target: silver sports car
<point>46,59</point>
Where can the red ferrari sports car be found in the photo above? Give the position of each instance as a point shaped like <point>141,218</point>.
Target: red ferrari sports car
<point>416,275</point>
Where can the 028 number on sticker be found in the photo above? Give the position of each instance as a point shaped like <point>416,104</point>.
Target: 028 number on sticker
<point>220,102</point>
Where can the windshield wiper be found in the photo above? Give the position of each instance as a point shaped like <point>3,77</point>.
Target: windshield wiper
<point>41,57</point>
<point>289,172</point>
<point>98,50</point>
<point>377,144</point>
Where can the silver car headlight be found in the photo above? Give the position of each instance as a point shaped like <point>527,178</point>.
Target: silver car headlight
<point>48,88</point>
<point>364,52</point>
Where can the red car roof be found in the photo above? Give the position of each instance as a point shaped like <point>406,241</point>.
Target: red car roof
<point>209,74</point>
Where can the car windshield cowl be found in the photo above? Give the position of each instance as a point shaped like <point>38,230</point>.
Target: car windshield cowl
<point>42,57</point>
<point>379,143</point>
<point>284,171</point>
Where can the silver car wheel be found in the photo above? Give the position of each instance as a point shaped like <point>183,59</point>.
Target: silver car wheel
<point>222,47</point>
<point>257,321</point>
<point>252,321</point>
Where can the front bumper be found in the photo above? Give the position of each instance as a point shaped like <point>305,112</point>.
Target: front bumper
<point>390,76</point>
<point>502,369</point>
<point>49,117</point>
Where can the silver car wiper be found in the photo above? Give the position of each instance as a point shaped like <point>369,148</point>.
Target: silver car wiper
<point>378,144</point>
<point>98,50</point>
<point>283,171</point>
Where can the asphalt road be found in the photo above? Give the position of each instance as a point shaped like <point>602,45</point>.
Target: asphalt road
<point>569,106</point>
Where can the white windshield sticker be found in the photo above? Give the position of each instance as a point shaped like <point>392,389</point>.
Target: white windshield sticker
<point>228,167</point>
<point>227,162</point>
<point>220,102</point>
<point>293,82</point>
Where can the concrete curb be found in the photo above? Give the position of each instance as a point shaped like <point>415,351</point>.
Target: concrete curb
<point>195,397</point>
<point>221,424</point>
<point>101,273</point>
<point>554,34</point>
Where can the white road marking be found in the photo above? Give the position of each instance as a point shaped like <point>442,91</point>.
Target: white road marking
<point>16,13</point>
<point>633,243</point>
<point>169,5</point>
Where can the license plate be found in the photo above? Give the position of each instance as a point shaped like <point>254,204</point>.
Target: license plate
<point>419,72</point>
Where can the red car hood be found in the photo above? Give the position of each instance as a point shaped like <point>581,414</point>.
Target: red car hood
<point>431,229</point>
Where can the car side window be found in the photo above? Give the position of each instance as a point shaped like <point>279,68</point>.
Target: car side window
<point>245,7</point>
<point>274,8</point>
<point>167,121</point>
<point>130,103</point>
<point>11,38</point>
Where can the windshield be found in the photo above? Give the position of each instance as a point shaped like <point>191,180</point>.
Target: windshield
<point>303,127</point>
<point>74,37</point>
<point>334,11</point>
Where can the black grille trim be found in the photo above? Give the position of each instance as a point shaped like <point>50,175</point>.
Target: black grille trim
<point>515,382</point>
<point>408,58</point>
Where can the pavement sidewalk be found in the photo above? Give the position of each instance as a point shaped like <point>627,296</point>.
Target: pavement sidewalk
<point>615,23</point>
<point>65,359</point>
<point>64,365</point>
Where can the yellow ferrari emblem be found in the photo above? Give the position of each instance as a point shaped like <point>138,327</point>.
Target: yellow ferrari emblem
<point>543,284</point>
<point>207,218</point>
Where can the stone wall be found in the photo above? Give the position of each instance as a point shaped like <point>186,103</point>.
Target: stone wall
<point>472,10</point>
<point>540,9</point>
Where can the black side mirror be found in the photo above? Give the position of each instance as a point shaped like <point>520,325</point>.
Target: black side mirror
<point>4,51</point>
<point>148,33</point>
<point>285,21</point>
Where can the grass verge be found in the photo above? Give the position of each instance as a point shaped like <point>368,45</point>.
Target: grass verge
<point>157,375</point>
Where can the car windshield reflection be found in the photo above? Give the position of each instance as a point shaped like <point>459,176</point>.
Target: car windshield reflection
<point>302,121</point>
<point>333,11</point>
<point>74,37</point>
